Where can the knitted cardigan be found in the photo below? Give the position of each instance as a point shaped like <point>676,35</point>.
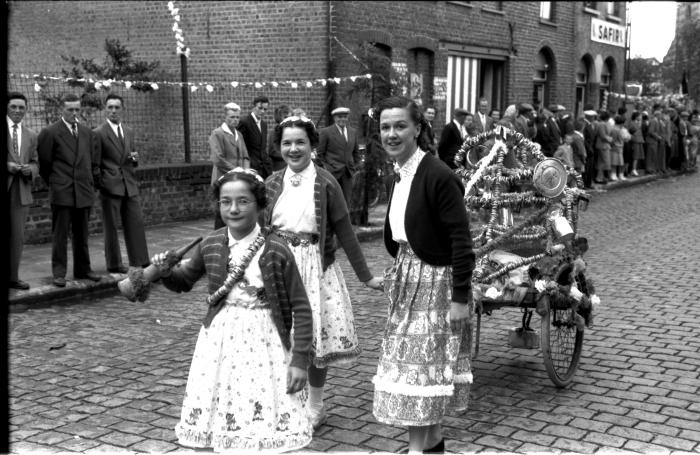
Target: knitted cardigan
<point>437,224</point>
<point>284,288</point>
<point>332,218</point>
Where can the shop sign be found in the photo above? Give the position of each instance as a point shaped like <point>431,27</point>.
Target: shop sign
<point>607,32</point>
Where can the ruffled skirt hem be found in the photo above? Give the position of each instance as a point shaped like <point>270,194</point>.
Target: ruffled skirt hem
<point>203,440</point>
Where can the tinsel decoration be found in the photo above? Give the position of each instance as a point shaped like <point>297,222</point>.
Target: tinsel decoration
<point>236,271</point>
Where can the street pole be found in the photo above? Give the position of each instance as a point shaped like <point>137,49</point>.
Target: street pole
<point>185,106</point>
<point>628,30</point>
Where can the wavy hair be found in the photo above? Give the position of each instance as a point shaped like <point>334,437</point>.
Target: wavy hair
<point>414,112</point>
<point>251,177</point>
<point>297,121</point>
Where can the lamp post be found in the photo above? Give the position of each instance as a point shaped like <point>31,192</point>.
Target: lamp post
<point>185,106</point>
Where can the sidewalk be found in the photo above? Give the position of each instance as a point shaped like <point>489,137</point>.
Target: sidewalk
<point>35,268</point>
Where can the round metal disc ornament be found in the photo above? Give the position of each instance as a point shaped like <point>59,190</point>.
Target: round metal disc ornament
<point>549,177</point>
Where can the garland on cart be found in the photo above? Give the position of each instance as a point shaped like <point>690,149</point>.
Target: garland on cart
<point>516,175</point>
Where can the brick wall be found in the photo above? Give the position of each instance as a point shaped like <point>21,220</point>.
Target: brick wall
<point>172,192</point>
<point>229,41</point>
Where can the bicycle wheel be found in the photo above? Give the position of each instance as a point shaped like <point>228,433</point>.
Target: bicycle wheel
<point>561,345</point>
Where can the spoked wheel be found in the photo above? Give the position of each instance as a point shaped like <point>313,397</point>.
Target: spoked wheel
<point>561,345</point>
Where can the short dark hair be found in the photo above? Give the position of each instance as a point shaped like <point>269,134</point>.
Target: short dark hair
<point>114,96</point>
<point>414,113</point>
<point>16,96</point>
<point>260,99</point>
<point>430,107</point>
<point>69,98</point>
<point>297,122</point>
<point>251,177</point>
<point>604,116</point>
<point>281,112</point>
<point>636,115</point>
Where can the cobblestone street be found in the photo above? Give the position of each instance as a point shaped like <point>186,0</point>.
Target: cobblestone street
<point>109,375</point>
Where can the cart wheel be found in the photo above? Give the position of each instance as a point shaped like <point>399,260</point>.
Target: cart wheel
<point>561,345</point>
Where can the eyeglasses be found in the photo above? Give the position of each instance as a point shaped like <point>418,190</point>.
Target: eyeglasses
<point>242,203</point>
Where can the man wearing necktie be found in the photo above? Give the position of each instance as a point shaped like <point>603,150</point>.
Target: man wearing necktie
<point>338,150</point>
<point>22,167</point>
<point>254,130</point>
<point>482,121</point>
<point>452,137</point>
<point>119,191</point>
<point>69,163</point>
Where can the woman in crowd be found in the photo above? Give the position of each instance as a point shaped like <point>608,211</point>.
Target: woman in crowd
<point>307,209</point>
<point>508,119</point>
<point>603,142</point>
<point>656,147</point>
<point>273,149</point>
<point>245,389</point>
<point>617,159</point>
<point>637,141</point>
<point>424,363</point>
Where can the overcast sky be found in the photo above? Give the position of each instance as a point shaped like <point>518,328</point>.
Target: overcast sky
<point>653,26</point>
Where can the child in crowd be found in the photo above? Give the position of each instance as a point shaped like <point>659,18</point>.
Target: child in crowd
<point>245,389</point>
<point>617,162</point>
<point>578,147</point>
<point>637,142</point>
<point>564,153</point>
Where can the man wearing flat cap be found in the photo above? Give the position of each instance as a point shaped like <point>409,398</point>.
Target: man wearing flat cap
<point>338,151</point>
<point>551,133</point>
<point>524,121</point>
<point>452,138</point>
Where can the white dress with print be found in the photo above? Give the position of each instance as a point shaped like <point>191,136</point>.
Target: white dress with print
<point>236,395</point>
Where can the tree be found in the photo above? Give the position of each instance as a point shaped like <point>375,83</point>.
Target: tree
<point>687,62</point>
<point>646,71</point>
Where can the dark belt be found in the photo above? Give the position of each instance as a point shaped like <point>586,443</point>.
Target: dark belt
<point>298,238</point>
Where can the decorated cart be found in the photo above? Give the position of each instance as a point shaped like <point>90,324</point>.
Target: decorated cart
<point>525,210</point>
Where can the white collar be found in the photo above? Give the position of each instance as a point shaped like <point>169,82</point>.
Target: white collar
<point>225,127</point>
<point>70,127</point>
<point>10,123</point>
<point>459,125</point>
<point>255,117</point>
<point>410,167</point>
<point>114,125</point>
<point>307,172</point>
<point>245,241</point>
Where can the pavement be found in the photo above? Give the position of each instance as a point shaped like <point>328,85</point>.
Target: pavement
<point>102,374</point>
<point>35,268</point>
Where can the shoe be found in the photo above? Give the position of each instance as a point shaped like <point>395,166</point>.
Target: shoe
<point>634,173</point>
<point>613,178</point>
<point>59,281</point>
<point>437,448</point>
<point>19,284</point>
<point>600,182</point>
<point>118,269</point>
<point>90,276</point>
<point>622,177</point>
<point>319,419</point>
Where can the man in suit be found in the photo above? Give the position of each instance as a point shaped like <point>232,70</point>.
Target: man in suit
<point>119,192</point>
<point>589,132</point>
<point>338,150</point>
<point>254,131</point>
<point>524,123</point>
<point>452,137</point>
<point>227,150</point>
<point>22,167</point>
<point>551,135</point>
<point>429,114</point>
<point>69,163</point>
<point>482,121</point>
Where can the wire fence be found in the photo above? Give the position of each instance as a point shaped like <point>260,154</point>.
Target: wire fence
<point>156,116</point>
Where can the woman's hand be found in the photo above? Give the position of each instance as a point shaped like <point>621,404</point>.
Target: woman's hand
<point>160,260</point>
<point>375,283</point>
<point>296,379</point>
<point>460,316</point>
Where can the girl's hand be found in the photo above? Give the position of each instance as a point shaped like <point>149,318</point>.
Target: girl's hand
<point>296,379</point>
<point>460,316</point>
<point>375,283</point>
<point>160,260</point>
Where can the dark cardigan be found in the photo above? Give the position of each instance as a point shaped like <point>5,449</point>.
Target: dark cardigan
<point>437,224</point>
<point>332,219</point>
<point>284,288</point>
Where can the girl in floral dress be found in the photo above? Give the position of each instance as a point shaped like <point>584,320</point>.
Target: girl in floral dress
<point>245,389</point>
<point>307,209</point>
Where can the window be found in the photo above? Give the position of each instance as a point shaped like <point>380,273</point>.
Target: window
<point>612,9</point>
<point>590,5</point>
<point>546,11</point>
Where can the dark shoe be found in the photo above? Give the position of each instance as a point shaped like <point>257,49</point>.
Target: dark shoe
<point>438,448</point>
<point>118,269</point>
<point>19,284</point>
<point>59,281</point>
<point>90,276</point>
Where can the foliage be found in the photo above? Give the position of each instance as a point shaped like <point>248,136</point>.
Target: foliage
<point>648,73</point>
<point>688,58</point>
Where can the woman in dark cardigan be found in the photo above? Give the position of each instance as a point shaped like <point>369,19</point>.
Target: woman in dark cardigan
<point>424,365</point>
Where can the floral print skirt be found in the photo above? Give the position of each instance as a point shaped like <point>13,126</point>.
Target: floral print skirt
<point>335,340</point>
<point>424,369</point>
<point>236,396</point>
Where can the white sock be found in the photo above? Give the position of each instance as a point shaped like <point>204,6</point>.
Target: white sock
<point>315,399</point>
<point>415,452</point>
